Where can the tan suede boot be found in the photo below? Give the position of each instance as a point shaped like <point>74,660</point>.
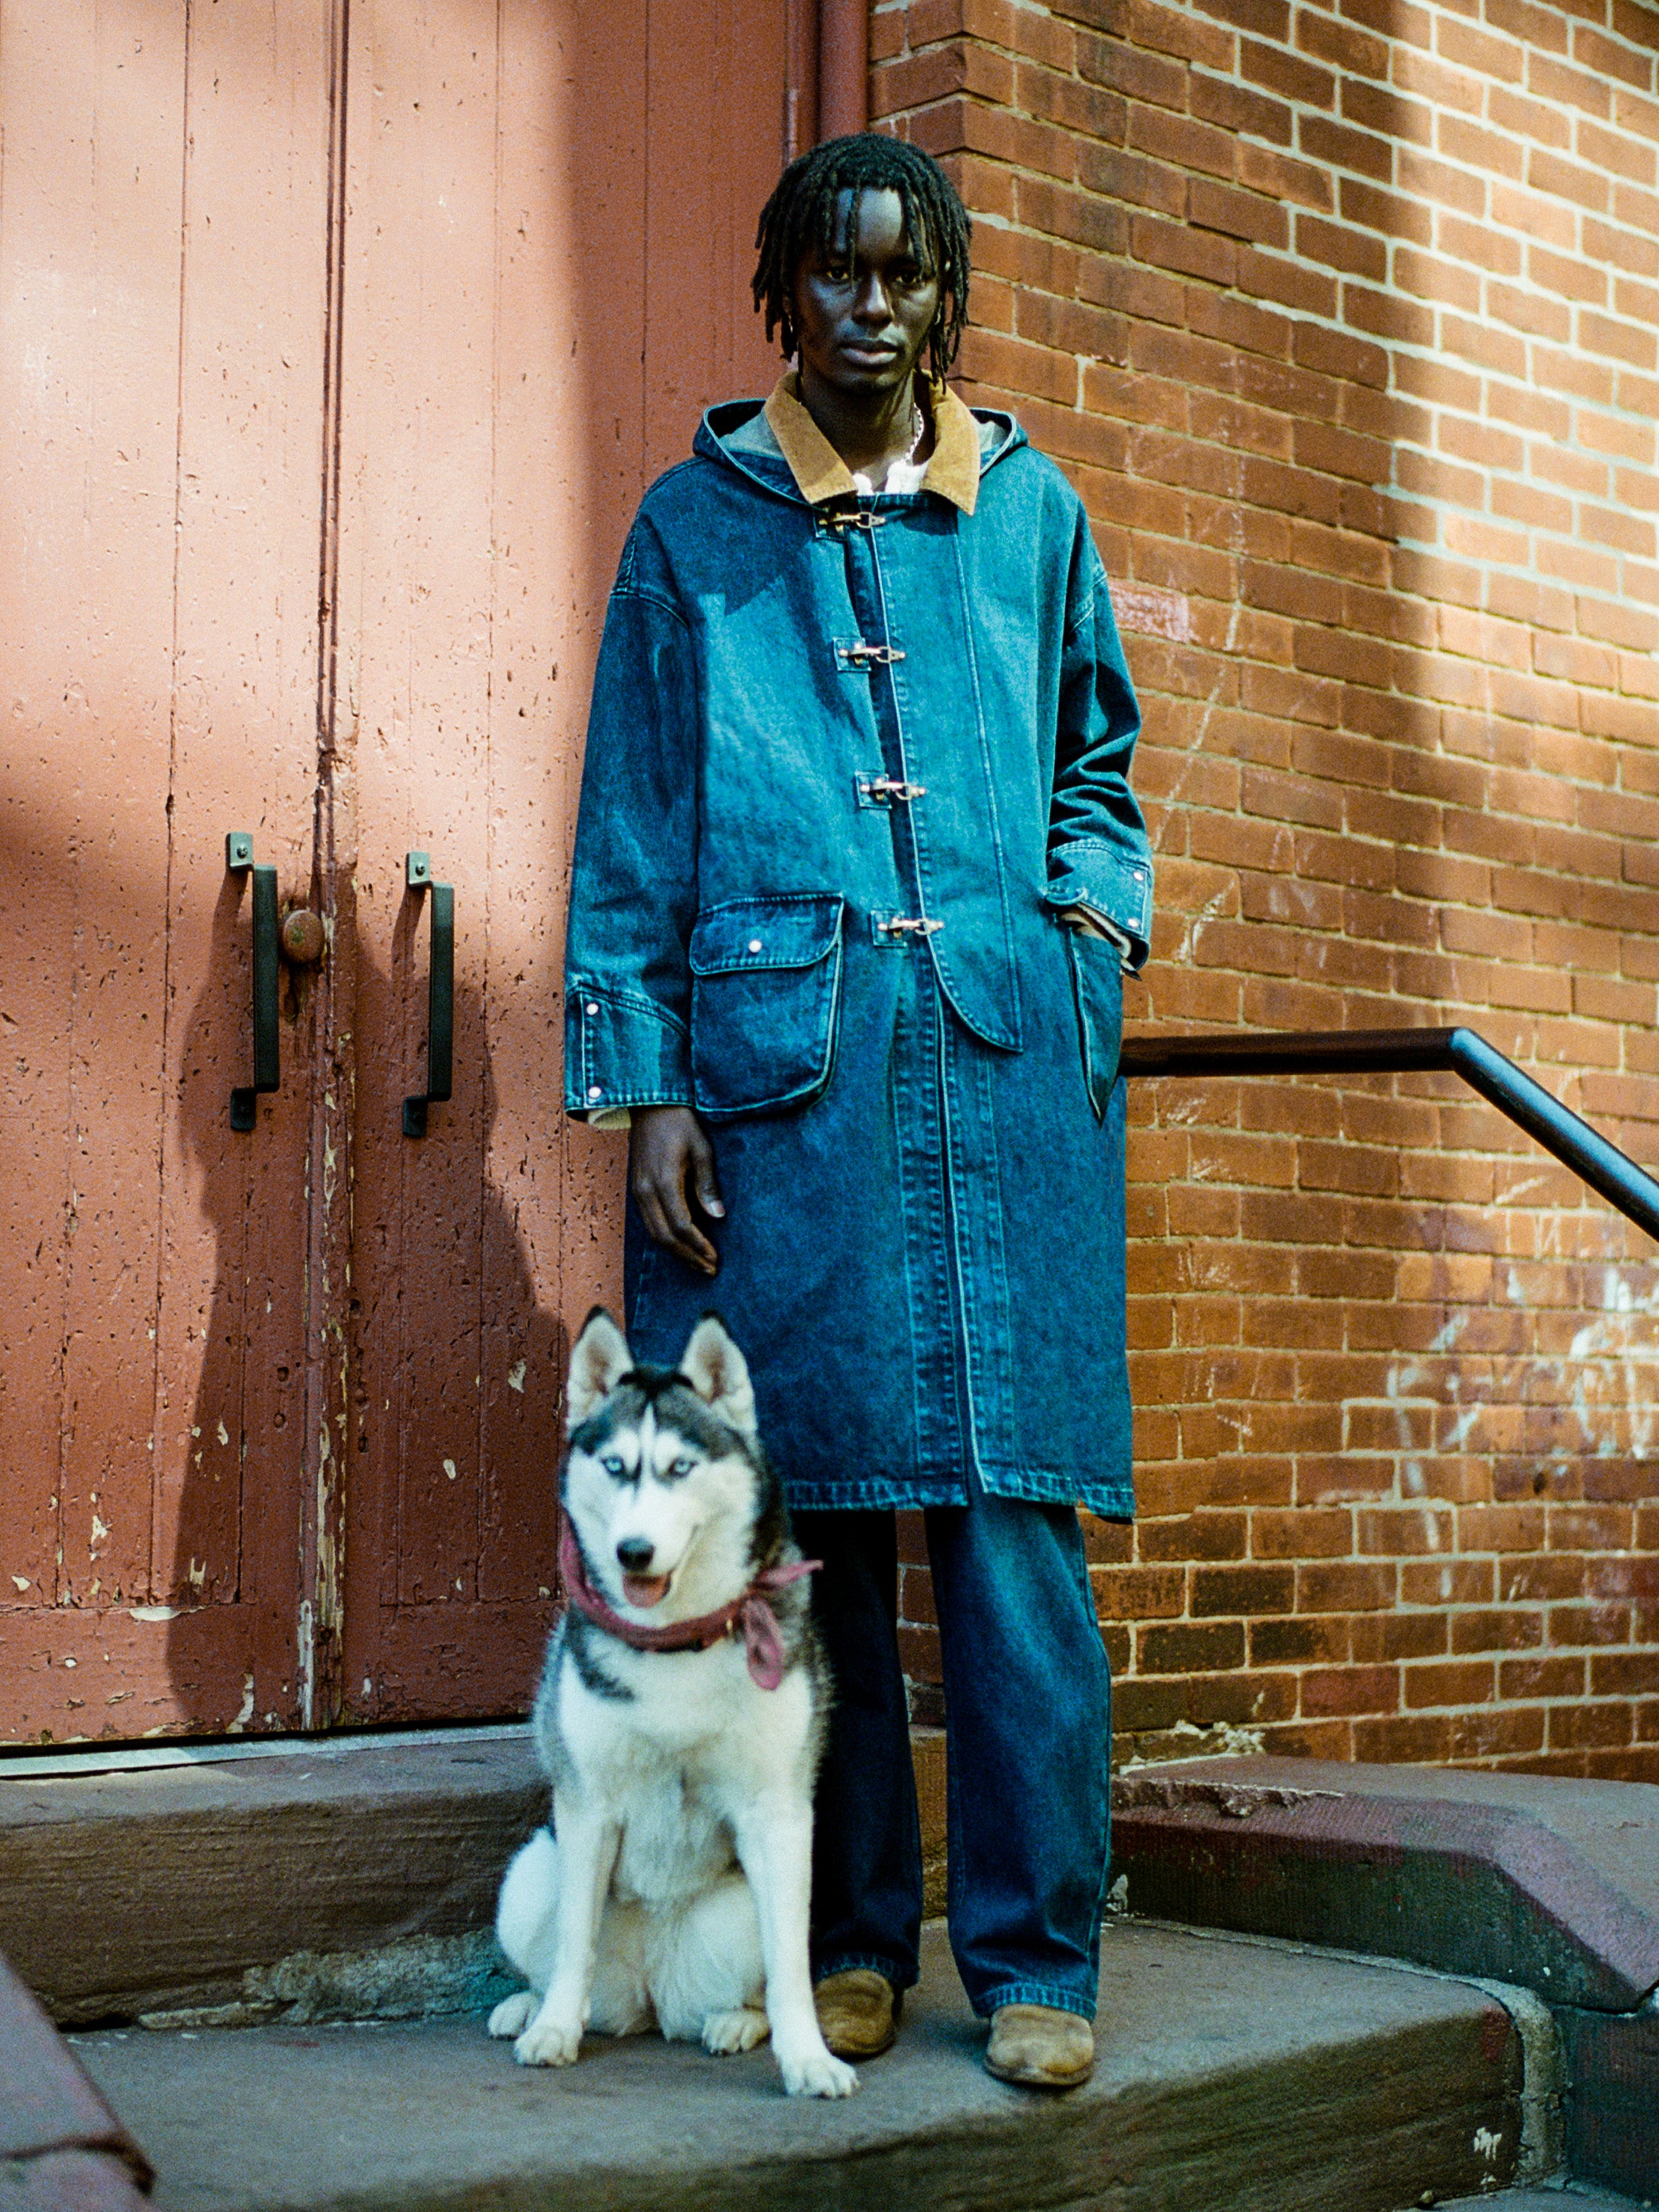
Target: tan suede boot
<point>1039,2048</point>
<point>857,2012</point>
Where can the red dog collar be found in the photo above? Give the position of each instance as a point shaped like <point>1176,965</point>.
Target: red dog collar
<point>763,1646</point>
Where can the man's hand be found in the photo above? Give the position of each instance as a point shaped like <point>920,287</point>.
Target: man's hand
<point>668,1156</point>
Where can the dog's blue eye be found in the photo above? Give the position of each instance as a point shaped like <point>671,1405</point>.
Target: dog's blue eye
<point>613,1465</point>
<point>680,1466</point>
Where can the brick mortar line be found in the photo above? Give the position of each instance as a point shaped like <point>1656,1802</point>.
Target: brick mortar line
<point>1289,258</point>
<point>1393,490</point>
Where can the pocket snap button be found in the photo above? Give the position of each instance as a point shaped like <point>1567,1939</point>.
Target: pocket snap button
<point>754,945</point>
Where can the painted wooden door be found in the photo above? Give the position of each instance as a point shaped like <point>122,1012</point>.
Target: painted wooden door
<point>339,342</point>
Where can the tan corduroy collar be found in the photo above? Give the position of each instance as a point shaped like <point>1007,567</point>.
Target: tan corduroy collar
<point>821,473</point>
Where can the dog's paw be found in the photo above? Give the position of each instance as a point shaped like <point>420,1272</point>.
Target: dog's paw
<point>548,2043</point>
<point>726,2031</point>
<point>818,2074</point>
<point>514,2014</point>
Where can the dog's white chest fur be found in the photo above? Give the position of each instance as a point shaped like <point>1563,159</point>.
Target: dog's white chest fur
<point>674,1842</point>
<point>697,1740</point>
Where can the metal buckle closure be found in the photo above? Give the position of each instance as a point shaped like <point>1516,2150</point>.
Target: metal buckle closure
<point>853,517</point>
<point>893,929</point>
<point>886,791</point>
<point>864,656</point>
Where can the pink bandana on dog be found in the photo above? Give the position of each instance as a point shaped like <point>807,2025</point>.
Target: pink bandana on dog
<point>762,1644</point>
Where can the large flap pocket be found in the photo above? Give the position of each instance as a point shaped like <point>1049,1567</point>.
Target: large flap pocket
<point>766,990</point>
<point>784,930</point>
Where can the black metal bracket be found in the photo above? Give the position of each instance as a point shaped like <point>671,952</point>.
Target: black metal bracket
<point>1608,1171</point>
<point>441,994</point>
<point>267,1053</point>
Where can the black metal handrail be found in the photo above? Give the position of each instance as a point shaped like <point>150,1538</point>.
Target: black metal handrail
<point>1614,1174</point>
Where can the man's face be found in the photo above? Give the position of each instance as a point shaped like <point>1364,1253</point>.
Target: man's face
<point>864,309</point>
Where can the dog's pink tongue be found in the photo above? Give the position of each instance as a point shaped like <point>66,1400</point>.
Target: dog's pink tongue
<point>645,1590</point>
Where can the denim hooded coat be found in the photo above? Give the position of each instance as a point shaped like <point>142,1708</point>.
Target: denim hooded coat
<point>847,756</point>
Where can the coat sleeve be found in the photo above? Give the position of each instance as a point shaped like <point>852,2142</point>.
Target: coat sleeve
<point>1099,855</point>
<point>633,879</point>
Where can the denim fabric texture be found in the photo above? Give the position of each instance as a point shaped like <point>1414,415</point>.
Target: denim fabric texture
<point>1027,1705</point>
<point>811,722</point>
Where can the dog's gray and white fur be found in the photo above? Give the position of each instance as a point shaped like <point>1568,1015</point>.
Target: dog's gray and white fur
<point>679,1884</point>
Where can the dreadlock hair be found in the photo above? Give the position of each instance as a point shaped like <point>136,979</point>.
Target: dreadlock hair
<point>801,214</point>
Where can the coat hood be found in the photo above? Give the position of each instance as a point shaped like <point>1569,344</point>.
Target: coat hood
<point>776,443</point>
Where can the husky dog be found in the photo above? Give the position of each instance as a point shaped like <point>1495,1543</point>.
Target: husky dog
<point>681,1719</point>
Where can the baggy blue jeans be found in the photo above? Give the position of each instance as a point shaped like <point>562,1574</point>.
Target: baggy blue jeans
<point>1027,1709</point>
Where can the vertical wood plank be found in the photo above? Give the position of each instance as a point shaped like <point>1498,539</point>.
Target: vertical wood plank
<point>686,252</point>
<point>230,1428</point>
<point>109,654</point>
<point>608,138</point>
<point>90,117</point>
<point>123,565</point>
<point>419,429</point>
<point>47,105</point>
<point>545,388</point>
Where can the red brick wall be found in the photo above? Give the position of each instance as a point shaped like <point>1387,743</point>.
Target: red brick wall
<point>1341,318</point>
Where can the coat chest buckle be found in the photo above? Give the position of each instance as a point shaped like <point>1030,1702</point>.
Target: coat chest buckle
<point>893,930</point>
<point>886,791</point>
<point>864,656</point>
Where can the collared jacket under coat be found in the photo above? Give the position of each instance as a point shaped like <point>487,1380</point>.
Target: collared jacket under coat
<point>847,757</point>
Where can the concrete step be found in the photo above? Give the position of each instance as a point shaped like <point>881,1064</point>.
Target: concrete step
<point>340,1877</point>
<point>1531,1880</point>
<point>1234,2075</point>
<point>349,1874</point>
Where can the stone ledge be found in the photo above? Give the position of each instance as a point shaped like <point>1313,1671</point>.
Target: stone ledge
<point>260,1884</point>
<point>1537,1880</point>
<point>1533,1879</point>
<point>346,1878</point>
<point>1574,2197</point>
<point>156,1890</point>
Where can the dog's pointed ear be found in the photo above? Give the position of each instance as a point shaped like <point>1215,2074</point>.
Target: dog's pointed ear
<point>719,1374</point>
<point>599,1360</point>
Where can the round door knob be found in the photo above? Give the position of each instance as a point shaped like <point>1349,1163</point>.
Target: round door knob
<point>304,937</point>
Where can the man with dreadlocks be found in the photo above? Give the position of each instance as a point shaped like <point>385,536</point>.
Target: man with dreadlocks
<point>856,874</point>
